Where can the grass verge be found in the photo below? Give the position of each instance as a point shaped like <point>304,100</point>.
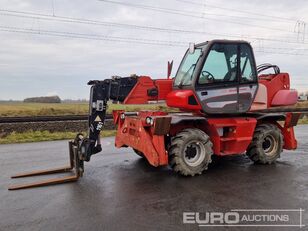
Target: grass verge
<point>303,121</point>
<point>37,136</point>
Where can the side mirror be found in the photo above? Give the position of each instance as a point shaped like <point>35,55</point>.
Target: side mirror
<point>191,48</point>
<point>170,64</point>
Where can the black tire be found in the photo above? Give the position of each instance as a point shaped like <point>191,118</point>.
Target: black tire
<point>190,152</point>
<point>267,144</point>
<point>139,153</point>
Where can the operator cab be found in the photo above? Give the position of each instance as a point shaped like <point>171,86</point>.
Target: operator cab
<point>221,74</point>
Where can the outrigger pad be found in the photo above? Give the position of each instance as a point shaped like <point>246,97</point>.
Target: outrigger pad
<point>76,166</point>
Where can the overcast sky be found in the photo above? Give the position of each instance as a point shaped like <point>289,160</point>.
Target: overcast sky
<point>37,64</point>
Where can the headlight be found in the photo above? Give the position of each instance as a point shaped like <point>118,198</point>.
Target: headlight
<point>149,120</point>
<point>122,116</point>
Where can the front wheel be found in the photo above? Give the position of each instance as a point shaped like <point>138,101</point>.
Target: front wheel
<point>266,145</point>
<point>190,152</point>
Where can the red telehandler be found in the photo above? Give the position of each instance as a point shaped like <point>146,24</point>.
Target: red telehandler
<point>222,96</point>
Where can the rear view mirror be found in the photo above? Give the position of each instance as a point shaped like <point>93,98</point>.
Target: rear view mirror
<point>170,64</point>
<point>191,48</point>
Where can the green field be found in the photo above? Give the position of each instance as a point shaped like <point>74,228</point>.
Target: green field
<point>46,109</point>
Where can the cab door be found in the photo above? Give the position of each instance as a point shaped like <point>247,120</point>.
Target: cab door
<point>217,83</point>
<point>227,82</point>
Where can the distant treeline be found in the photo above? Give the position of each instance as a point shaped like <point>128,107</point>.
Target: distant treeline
<point>43,99</point>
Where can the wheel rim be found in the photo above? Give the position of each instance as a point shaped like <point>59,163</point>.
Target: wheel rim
<point>194,153</point>
<point>269,145</point>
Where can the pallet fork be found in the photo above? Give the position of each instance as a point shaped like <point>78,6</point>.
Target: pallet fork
<point>76,166</point>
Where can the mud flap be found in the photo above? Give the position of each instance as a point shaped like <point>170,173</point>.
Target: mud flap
<point>290,142</point>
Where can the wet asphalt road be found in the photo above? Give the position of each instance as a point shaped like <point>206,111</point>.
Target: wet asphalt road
<point>120,191</point>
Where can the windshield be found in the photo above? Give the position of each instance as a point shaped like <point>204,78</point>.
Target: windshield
<point>187,68</point>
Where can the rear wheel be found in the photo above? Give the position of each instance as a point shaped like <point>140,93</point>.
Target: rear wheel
<point>267,144</point>
<point>190,152</point>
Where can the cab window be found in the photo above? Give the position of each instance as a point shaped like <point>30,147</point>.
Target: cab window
<point>220,65</point>
<point>187,68</point>
<point>248,73</point>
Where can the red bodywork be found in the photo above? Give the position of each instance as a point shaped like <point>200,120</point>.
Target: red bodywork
<point>278,89</point>
<point>133,131</point>
<point>139,94</point>
<point>287,129</point>
<point>180,99</point>
<point>229,135</point>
